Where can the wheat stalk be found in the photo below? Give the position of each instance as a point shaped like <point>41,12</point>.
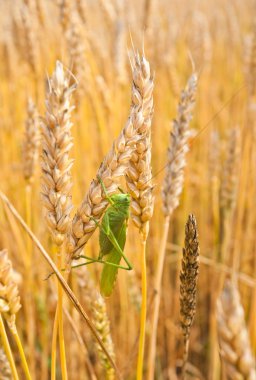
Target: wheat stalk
<point>172,188</point>
<point>56,176</point>
<point>139,182</point>
<point>235,351</point>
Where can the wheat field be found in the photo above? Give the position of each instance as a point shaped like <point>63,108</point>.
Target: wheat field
<point>127,118</point>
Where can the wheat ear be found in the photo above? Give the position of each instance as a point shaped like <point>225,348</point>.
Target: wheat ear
<point>228,192</point>
<point>31,142</point>
<point>112,168</point>
<point>56,176</point>
<point>99,316</point>
<point>235,351</point>
<point>188,283</point>
<point>178,147</point>
<point>10,305</point>
<point>139,180</point>
<point>5,369</point>
<point>172,188</point>
<point>56,145</point>
<point>102,325</point>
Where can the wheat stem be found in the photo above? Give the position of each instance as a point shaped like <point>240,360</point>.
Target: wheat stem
<point>29,307</point>
<point>22,355</point>
<point>60,324</point>
<point>143,313</point>
<point>7,349</point>
<point>54,345</point>
<point>157,292</point>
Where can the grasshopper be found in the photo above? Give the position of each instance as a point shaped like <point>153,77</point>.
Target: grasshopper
<point>111,240</point>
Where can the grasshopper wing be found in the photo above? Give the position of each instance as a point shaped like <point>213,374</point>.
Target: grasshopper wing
<point>109,273</point>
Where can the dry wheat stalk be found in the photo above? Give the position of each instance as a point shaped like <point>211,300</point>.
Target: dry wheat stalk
<point>178,148</point>
<point>235,350</point>
<point>9,294</point>
<point>102,325</point>
<point>172,188</point>
<point>56,145</point>
<point>31,141</point>
<point>5,370</point>
<point>188,282</point>
<point>229,183</point>
<point>115,163</point>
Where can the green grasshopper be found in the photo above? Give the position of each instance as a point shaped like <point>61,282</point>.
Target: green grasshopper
<point>112,240</point>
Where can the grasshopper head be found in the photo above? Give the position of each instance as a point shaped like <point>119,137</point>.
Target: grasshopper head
<point>122,199</point>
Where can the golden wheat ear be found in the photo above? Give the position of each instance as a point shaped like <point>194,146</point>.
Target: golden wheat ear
<point>5,369</point>
<point>56,145</point>
<point>188,284</point>
<point>117,162</point>
<point>235,350</point>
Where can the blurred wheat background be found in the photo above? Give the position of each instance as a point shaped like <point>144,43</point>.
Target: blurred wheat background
<point>200,178</point>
